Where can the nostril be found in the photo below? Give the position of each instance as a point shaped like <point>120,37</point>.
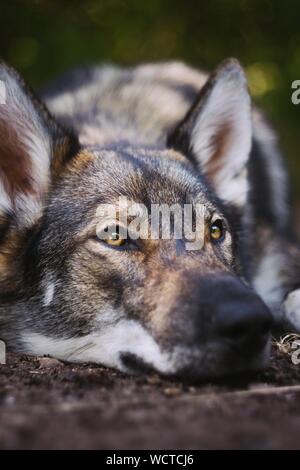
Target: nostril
<point>248,327</point>
<point>234,332</point>
<point>266,327</point>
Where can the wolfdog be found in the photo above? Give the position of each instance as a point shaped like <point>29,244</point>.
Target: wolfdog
<point>155,134</point>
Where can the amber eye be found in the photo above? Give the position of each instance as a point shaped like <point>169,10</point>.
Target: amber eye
<point>217,230</point>
<point>115,240</point>
<point>112,236</point>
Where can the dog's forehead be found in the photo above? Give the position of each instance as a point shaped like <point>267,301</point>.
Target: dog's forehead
<point>146,175</point>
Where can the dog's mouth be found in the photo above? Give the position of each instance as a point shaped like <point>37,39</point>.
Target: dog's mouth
<point>238,375</point>
<point>135,364</point>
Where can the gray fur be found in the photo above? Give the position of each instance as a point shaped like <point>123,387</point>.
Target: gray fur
<point>63,293</point>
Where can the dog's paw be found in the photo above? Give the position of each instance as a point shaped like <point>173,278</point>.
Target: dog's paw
<point>291,310</point>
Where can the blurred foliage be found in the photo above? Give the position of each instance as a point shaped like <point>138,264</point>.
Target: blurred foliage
<point>41,38</point>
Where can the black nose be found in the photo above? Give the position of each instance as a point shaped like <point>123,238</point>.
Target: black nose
<point>240,317</point>
<point>246,326</point>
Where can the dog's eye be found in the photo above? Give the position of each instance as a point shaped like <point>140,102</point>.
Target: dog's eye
<point>217,230</point>
<point>112,236</point>
<point>115,240</point>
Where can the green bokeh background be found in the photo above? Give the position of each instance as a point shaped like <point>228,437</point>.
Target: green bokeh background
<point>43,38</point>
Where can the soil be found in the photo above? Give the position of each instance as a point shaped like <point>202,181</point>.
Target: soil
<point>45,404</point>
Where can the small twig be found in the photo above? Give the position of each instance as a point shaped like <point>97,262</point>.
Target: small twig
<point>284,345</point>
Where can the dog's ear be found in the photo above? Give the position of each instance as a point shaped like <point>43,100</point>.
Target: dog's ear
<point>33,146</point>
<point>216,132</point>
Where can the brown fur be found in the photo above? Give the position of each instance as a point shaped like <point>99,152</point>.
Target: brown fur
<point>152,303</point>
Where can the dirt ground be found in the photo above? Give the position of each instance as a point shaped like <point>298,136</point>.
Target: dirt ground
<point>47,404</point>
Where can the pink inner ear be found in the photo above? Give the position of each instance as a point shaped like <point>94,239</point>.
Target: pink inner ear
<point>15,164</point>
<point>219,144</point>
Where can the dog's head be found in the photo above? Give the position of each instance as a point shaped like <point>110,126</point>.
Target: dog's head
<point>135,303</point>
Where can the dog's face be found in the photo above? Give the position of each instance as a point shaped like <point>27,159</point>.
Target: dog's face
<point>129,302</point>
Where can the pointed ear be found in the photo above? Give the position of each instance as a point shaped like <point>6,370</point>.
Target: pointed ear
<point>33,146</point>
<point>216,133</point>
